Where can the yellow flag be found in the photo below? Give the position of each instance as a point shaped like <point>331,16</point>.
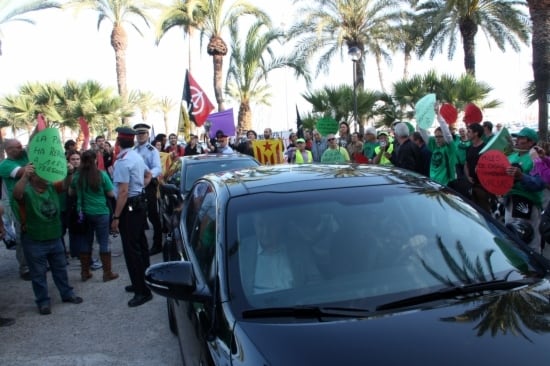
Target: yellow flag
<point>268,152</point>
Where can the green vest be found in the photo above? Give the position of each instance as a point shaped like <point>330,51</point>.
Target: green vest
<point>300,159</point>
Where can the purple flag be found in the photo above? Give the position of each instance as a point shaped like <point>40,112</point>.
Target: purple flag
<point>222,121</point>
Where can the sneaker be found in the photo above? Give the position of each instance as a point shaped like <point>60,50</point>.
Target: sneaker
<point>6,322</point>
<point>96,264</point>
<point>73,299</point>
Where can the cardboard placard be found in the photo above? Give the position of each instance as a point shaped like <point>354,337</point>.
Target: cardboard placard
<point>47,155</point>
<point>491,171</point>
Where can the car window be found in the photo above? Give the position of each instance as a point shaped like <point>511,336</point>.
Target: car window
<point>353,244</point>
<point>202,236</point>
<point>195,171</point>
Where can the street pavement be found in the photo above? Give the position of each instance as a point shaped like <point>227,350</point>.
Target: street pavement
<point>102,330</point>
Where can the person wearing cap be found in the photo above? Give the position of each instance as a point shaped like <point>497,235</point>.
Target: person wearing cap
<point>521,203</point>
<point>222,145</point>
<point>300,155</point>
<point>334,154</point>
<point>384,149</point>
<point>130,176</point>
<point>370,143</point>
<point>151,157</point>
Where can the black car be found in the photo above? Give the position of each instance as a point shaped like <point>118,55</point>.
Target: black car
<point>187,169</point>
<point>348,265</point>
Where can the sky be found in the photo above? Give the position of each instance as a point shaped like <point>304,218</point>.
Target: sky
<point>64,46</point>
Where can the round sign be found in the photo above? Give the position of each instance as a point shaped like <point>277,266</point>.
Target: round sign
<point>491,171</point>
<point>449,113</point>
<point>47,155</point>
<point>327,125</point>
<point>424,111</point>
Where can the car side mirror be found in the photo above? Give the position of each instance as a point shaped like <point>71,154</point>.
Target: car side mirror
<point>175,280</point>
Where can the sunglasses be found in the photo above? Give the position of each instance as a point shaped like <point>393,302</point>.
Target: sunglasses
<point>331,139</point>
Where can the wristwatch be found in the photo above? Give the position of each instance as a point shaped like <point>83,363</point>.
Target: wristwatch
<point>116,217</point>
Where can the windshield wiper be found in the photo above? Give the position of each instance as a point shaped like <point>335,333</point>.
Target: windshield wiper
<point>306,312</point>
<point>451,292</point>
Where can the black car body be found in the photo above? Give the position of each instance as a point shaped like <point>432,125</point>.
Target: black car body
<point>386,268</point>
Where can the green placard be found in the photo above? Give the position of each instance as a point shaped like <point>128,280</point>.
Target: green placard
<point>47,155</point>
<point>327,125</point>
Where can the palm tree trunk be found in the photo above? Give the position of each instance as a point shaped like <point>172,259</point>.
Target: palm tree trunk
<point>406,63</point>
<point>119,42</point>
<point>540,17</point>
<point>380,73</point>
<point>244,119</point>
<point>468,30</point>
<point>218,82</point>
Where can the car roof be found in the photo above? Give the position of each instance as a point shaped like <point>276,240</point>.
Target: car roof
<point>291,178</point>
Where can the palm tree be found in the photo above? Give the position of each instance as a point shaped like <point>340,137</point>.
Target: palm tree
<point>212,17</point>
<point>144,101</point>
<point>118,12</point>
<point>11,11</point>
<point>326,26</point>
<point>500,20</point>
<point>540,18</point>
<point>166,105</point>
<point>250,64</point>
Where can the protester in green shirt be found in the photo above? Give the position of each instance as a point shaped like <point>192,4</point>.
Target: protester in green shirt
<point>334,153</point>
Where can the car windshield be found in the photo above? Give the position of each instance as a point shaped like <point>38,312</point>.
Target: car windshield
<point>362,246</point>
<point>195,171</point>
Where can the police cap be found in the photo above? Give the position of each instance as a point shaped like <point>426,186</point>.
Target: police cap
<point>142,127</point>
<point>125,133</point>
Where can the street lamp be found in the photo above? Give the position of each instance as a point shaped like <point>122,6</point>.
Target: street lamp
<point>354,54</point>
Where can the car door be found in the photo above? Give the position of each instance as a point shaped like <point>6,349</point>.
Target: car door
<point>195,319</point>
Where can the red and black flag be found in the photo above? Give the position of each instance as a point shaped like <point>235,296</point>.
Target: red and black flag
<point>299,124</point>
<point>198,104</point>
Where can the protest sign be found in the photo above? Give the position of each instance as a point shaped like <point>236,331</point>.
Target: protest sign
<point>327,125</point>
<point>491,171</point>
<point>47,155</point>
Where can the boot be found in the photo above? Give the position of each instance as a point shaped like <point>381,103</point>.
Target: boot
<point>85,260</point>
<point>108,275</point>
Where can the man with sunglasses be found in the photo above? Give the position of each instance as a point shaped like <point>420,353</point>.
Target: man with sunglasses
<point>334,154</point>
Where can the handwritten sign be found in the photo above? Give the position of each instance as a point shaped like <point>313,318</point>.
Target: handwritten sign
<point>491,171</point>
<point>47,155</point>
<point>424,111</point>
<point>327,125</point>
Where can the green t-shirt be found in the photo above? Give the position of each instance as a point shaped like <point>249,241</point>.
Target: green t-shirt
<point>368,149</point>
<point>526,164</point>
<point>443,162</point>
<point>461,148</point>
<point>42,212</point>
<point>94,203</point>
<point>339,155</point>
<point>7,166</point>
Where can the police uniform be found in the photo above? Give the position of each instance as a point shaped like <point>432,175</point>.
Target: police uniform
<point>130,168</point>
<point>152,159</point>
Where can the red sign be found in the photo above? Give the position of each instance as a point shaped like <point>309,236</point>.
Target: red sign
<point>491,171</point>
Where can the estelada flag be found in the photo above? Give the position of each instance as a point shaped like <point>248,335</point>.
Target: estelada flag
<point>198,104</point>
<point>268,152</point>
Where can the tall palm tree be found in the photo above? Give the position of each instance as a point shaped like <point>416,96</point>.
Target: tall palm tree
<point>325,27</point>
<point>540,18</point>
<point>212,17</point>
<point>250,64</point>
<point>119,13</point>
<point>144,101</point>
<point>502,21</point>
<point>11,11</point>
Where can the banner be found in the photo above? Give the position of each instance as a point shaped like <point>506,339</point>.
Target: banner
<point>299,124</point>
<point>47,155</point>
<point>198,104</point>
<point>222,121</point>
<point>165,162</point>
<point>268,152</point>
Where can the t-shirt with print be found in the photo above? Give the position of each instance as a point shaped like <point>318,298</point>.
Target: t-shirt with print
<point>42,212</point>
<point>526,164</point>
<point>442,165</point>
<point>94,203</point>
<point>339,155</point>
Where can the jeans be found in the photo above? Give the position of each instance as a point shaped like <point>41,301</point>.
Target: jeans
<point>100,225</point>
<point>39,254</point>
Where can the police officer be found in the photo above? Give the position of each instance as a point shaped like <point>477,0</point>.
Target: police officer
<point>130,176</point>
<point>152,160</point>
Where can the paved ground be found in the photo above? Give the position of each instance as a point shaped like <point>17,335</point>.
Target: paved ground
<point>102,330</point>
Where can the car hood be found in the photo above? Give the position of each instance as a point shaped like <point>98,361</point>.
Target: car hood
<point>500,330</point>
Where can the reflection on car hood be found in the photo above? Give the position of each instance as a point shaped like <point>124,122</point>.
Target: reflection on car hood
<point>491,330</point>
